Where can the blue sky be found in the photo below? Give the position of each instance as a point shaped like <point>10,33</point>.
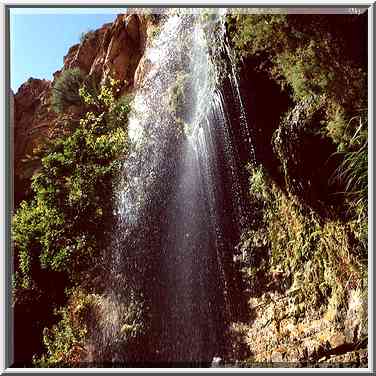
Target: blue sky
<point>40,38</point>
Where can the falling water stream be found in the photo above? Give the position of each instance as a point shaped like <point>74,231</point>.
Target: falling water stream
<point>181,192</point>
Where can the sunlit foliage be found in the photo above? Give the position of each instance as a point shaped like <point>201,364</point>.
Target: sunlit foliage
<point>59,228</point>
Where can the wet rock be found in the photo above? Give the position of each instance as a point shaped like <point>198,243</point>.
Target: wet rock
<point>293,355</point>
<point>141,71</point>
<point>356,327</point>
<point>349,359</point>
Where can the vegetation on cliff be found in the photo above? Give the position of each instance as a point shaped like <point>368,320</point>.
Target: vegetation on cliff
<point>310,57</point>
<point>62,232</point>
<point>304,255</point>
<point>306,281</point>
<point>57,228</point>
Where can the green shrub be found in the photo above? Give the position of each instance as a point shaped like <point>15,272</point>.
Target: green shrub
<point>178,100</point>
<point>65,92</point>
<point>60,229</point>
<point>177,94</point>
<point>257,182</point>
<point>256,33</point>
<point>84,317</point>
<point>353,172</point>
<point>155,32</point>
<point>65,341</point>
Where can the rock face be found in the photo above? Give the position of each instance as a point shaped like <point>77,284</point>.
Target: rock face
<point>30,103</point>
<point>33,122</point>
<point>113,50</point>
<point>306,292</point>
<point>329,340</point>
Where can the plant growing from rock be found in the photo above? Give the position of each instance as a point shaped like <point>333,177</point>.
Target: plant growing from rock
<point>58,226</point>
<point>59,233</point>
<point>65,92</point>
<point>292,259</point>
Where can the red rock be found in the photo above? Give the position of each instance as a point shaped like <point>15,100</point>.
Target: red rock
<point>113,50</point>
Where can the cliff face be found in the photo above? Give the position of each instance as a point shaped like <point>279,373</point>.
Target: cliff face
<point>113,50</point>
<point>303,257</point>
<point>33,121</point>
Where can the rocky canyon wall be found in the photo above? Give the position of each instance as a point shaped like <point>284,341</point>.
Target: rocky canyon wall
<point>114,50</point>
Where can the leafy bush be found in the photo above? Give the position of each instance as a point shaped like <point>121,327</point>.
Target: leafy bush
<point>61,227</point>
<point>87,316</point>
<point>65,92</point>
<point>178,100</point>
<point>352,174</point>
<point>60,233</point>
<point>177,94</point>
<point>155,32</point>
<point>353,171</point>
<point>257,182</point>
<point>65,340</point>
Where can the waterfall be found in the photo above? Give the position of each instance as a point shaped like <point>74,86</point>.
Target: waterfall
<point>180,197</point>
